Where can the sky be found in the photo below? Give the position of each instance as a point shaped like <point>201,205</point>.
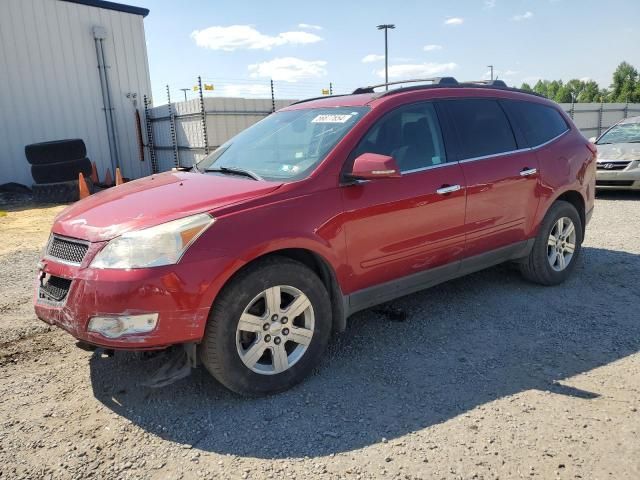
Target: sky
<point>239,46</point>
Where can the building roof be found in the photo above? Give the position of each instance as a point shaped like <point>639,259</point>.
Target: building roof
<point>120,7</point>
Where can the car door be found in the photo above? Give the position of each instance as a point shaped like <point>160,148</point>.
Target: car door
<point>501,173</point>
<point>397,227</point>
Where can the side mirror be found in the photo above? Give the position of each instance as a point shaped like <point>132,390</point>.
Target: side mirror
<point>370,166</point>
<point>592,139</point>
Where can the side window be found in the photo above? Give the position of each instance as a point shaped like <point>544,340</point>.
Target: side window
<point>482,126</point>
<point>539,123</point>
<point>410,134</point>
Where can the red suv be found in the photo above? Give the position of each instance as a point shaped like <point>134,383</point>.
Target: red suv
<point>332,205</point>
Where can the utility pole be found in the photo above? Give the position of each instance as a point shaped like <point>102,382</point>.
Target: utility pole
<point>491,67</point>
<point>185,90</point>
<point>385,27</point>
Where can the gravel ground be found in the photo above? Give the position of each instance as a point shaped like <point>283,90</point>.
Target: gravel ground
<point>488,377</point>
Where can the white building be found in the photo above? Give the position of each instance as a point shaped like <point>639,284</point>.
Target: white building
<point>51,87</point>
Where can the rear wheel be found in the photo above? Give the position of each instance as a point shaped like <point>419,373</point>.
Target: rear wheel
<point>268,328</point>
<point>557,246</point>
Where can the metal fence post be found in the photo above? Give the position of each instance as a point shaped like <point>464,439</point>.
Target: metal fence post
<point>626,108</point>
<point>172,126</point>
<point>150,145</point>
<point>273,98</point>
<point>203,117</point>
<point>600,112</point>
<point>330,88</point>
<point>573,108</point>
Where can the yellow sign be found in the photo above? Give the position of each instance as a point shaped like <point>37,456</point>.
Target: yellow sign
<point>196,88</point>
<point>325,91</point>
<point>208,86</point>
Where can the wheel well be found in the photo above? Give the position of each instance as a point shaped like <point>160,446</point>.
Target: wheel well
<point>325,272</point>
<point>575,199</point>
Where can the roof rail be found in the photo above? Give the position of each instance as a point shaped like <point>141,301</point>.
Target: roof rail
<point>434,80</point>
<point>318,98</point>
<point>490,83</point>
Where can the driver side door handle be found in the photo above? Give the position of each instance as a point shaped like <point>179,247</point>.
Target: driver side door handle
<point>447,189</point>
<point>526,171</point>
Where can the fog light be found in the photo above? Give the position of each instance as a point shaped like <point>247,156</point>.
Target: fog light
<point>116,326</point>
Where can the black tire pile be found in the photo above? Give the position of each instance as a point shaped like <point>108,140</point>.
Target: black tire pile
<point>55,167</point>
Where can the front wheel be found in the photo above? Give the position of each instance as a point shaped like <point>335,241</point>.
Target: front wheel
<point>268,328</point>
<point>557,246</point>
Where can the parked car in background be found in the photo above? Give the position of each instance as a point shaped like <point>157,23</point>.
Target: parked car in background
<point>619,156</point>
<point>327,207</point>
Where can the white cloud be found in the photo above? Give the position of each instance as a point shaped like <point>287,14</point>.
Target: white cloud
<point>236,37</point>
<point>308,26</point>
<point>372,58</point>
<point>489,4</point>
<point>238,90</point>
<point>523,16</point>
<point>288,69</point>
<point>454,21</point>
<point>417,70</point>
<point>432,48</point>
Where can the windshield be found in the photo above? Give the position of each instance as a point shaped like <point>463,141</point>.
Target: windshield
<point>622,133</point>
<point>286,145</point>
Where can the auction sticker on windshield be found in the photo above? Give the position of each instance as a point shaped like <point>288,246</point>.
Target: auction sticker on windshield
<point>331,119</point>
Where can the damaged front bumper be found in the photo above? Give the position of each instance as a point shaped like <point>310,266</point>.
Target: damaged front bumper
<point>177,297</point>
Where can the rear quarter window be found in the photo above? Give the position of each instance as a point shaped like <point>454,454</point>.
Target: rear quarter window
<point>538,123</point>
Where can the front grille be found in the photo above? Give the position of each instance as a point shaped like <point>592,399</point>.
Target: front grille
<point>614,183</point>
<point>55,289</point>
<point>66,250</point>
<point>612,165</point>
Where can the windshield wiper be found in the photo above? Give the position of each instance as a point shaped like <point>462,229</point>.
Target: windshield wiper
<point>235,171</point>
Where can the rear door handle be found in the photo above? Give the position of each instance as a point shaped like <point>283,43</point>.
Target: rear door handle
<point>528,171</point>
<point>446,189</point>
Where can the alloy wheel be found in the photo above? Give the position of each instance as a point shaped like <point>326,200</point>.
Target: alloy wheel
<point>275,330</point>
<point>561,244</point>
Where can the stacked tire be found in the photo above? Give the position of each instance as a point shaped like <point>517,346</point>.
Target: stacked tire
<point>55,167</point>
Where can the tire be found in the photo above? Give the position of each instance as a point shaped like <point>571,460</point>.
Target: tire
<point>220,351</point>
<point>537,266</point>
<point>55,152</point>
<point>60,192</point>
<point>61,171</point>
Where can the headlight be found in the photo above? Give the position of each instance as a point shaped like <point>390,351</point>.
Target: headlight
<point>152,247</point>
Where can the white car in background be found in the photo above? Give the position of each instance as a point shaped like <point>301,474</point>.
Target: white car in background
<point>619,156</point>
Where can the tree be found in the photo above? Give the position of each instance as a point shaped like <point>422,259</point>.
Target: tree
<point>589,93</point>
<point>541,87</point>
<point>563,95</point>
<point>625,82</point>
<point>553,88</point>
<point>624,88</point>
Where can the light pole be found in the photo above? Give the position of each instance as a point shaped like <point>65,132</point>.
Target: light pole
<point>185,90</point>
<point>491,67</point>
<point>386,27</point>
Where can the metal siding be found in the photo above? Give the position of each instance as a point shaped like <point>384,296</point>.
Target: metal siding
<point>51,88</point>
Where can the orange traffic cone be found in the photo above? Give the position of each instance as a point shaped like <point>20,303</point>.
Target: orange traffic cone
<point>119,180</point>
<point>94,173</point>
<point>82,185</point>
<point>108,181</point>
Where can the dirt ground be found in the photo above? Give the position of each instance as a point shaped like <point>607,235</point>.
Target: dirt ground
<point>488,377</point>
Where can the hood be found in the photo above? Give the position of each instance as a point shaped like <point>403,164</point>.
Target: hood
<point>154,200</point>
<point>619,151</point>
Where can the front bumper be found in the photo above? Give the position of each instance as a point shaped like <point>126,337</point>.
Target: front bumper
<point>180,294</point>
<point>627,178</point>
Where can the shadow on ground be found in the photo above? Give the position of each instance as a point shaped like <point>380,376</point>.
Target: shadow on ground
<point>464,343</point>
<point>617,195</point>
